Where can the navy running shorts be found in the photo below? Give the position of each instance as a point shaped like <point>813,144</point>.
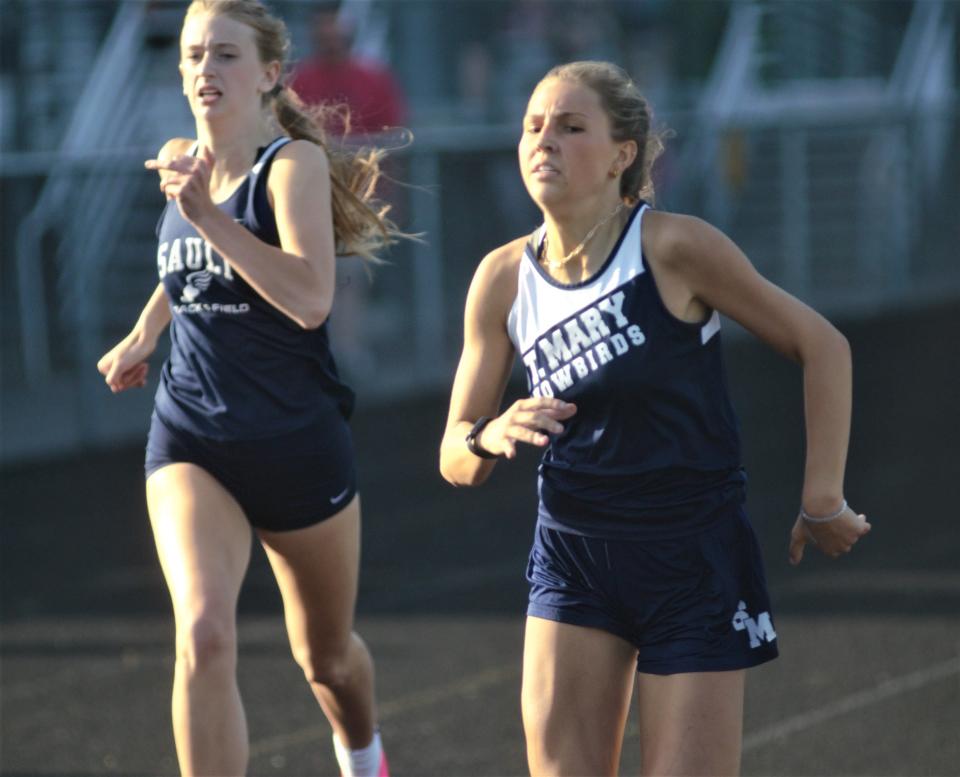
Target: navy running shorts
<point>282,483</point>
<point>696,603</point>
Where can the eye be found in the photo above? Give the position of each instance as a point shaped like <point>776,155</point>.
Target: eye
<point>572,128</point>
<point>227,55</point>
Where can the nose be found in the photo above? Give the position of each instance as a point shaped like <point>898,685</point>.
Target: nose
<point>206,63</point>
<point>546,142</point>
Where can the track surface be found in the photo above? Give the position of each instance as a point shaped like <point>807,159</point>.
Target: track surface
<point>868,682</point>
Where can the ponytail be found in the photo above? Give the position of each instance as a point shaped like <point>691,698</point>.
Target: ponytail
<point>360,223</point>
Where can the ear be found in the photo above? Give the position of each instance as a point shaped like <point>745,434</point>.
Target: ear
<point>626,155</point>
<point>271,75</point>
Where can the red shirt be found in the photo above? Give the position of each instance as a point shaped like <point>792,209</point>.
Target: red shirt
<point>370,92</point>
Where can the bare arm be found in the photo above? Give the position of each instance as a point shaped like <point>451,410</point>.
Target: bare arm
<point>719,275</point>
<point>482,378</point>
<point>125,365</point>
<point>298,277</point>
<point>153,318</point>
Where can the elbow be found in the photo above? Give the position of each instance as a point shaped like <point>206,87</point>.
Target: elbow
<point>829,346</point>
<point>314,303</point>
<point>844,345</point>
<point>459,474</point>
<point>840,346</point>
<point>314,317</point>
<point>460,479</point>
<point>450,476</point>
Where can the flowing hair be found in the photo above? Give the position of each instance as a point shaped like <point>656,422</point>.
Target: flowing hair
<point>360,223</point>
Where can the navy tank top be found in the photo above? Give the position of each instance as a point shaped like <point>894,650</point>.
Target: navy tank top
<point>238,367</point>
<point>654,447</point>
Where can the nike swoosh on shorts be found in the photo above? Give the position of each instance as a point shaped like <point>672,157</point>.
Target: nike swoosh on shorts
<point>339,497</point>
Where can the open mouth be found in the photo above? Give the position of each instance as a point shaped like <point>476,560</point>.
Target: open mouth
<point>545,168</point>
<point>208,94</point>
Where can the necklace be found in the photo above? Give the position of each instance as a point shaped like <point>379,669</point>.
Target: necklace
<point>556,264</point>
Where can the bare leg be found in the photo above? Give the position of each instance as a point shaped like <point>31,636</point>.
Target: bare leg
<point>316,569</point>
<point>577,684</point>
<point>203,541</point>
<point>691,724</point>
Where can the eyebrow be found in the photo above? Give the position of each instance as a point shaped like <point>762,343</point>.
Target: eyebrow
<point>560,115</point>
<point>223,45</point>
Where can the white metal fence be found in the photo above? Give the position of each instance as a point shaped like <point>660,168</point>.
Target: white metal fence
<point>847,193</point>
<point>832,211</point>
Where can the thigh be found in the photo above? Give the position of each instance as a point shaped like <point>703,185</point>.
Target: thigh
<point>698,603</point>
<point>296,480</point>
<point>203,539</point>
<point>577,683</point>
<point>316,570</point>
<point>691,723</point>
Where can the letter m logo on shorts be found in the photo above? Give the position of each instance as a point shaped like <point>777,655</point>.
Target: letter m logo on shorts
<point>759,629</point>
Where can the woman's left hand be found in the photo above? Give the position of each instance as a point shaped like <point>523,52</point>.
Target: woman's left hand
<point>186,179</point>
<point>834,538</point>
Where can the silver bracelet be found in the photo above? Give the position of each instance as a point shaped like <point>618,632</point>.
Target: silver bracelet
<point>826,518</point>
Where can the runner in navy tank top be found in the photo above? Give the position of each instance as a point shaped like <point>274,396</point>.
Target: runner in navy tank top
<point>643,561</point>
<point>239,368</point>
<point>249,432</point>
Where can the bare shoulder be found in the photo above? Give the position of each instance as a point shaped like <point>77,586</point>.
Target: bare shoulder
<point>494,284</point>
<point>299,167</point>
<point>498,269</point>
<point>175,147</point>
<point>303,152</point>
<point>674,240</point>
<point>502,262</point>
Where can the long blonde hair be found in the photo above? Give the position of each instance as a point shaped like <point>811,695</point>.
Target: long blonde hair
<point>360,223</point>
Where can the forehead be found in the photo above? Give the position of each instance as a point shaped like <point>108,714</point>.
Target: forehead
<point>204,29</point>
<point>557,95</point>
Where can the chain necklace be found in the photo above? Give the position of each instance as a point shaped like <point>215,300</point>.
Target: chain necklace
<point>556,264</point>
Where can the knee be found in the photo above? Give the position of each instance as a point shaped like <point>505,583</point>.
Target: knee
<point>547,754</point>
<point>206,641</point>
<point>329,667</point>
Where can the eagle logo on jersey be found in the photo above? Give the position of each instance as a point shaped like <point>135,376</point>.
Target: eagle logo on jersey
<point>197,282</point>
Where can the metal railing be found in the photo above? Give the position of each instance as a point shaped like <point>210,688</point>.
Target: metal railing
<point>94,125</point>
<point>831,243</point>
<point>821,194</point>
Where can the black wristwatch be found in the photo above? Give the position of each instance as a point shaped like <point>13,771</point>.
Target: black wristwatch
<point>472,445</point>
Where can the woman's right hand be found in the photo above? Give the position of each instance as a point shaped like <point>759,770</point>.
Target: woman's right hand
<point>526,420</point>
<point>125,365</point>
<point>186,179</point>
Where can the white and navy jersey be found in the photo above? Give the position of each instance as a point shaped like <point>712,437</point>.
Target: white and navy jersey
<point>238,367</point>
<point>654,445</point>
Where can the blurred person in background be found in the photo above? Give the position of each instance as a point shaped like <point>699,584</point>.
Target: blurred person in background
<point>249,432</point>
<point>367,93</point>
<point>334,75</point>
<point>644,564</point>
